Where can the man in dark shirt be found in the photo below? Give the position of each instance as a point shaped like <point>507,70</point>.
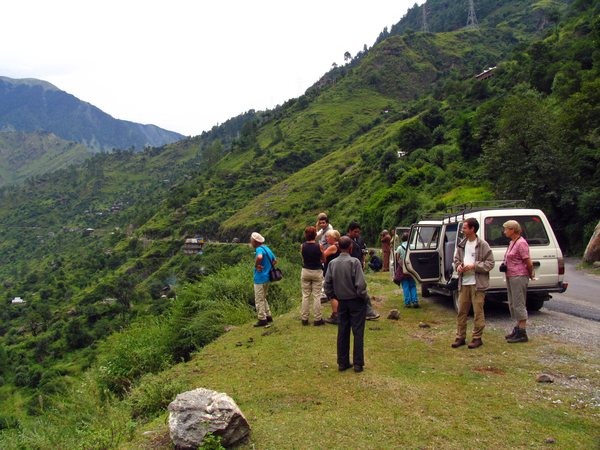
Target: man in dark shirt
<point>346,282</point>
<point>376,263</point>
<point>359,250</point>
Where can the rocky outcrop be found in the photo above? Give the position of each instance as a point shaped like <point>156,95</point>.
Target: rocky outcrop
<point>194,414</point>
<point>592,252</point>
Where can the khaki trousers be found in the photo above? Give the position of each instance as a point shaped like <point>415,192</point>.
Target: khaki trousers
<point>260,301</point>
<point>469,296</point>
<point>312,280</point>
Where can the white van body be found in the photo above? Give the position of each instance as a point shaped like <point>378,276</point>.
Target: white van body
<point>432,244</point>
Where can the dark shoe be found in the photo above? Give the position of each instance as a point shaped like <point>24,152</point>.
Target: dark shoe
<point>513,333</point>
<point>458,342</point>
<point>521,336</point>
<point>261,323</point>
<point>269,319</point>
<point>342,367</point>
<point>375,317</point>
<point>477,342</point>
<point>407,306</point>
<point>416,305</point>
<point>305,323</point>
<point>332,320</point>
<point>318,323</point>
<point>358,369</point>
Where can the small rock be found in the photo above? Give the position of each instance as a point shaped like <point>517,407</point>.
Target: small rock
<point>228,328</point>
<point>394,314</point>
<point>550,441</point>
<point>251,340</point>
<point>544,379</point>
<point>424,325</point>
<point>239,344</point>
<point>375,328</point>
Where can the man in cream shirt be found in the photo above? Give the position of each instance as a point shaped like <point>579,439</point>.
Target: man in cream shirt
<point>473,261</point>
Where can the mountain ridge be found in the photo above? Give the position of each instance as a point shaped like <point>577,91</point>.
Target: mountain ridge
<point>31,105</point>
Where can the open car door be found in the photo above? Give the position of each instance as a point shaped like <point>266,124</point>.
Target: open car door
<point>423,258</point>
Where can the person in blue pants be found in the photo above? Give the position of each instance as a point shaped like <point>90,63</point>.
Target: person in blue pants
<point>408,285</point>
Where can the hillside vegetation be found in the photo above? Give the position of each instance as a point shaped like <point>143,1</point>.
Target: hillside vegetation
<point>25,155</point>
<point>95,249</point>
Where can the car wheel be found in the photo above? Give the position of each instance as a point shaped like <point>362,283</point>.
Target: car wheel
<point>425,291</point>
<point>535,303</point>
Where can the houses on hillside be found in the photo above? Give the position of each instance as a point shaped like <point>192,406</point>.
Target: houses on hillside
<point>193,246</point>
<point>486,74</point>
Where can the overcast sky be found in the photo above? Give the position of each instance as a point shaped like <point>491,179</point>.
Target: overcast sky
<point>186,65</point>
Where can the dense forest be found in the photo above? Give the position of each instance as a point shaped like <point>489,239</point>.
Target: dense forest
<point>95,250</point>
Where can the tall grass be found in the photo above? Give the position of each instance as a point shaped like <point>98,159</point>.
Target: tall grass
<point>79,419</point>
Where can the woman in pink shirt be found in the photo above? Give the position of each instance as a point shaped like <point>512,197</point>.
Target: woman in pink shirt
<point>519,270</point>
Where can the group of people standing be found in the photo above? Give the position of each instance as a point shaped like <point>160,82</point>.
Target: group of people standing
<point>333,268</point>
<point>332,271</point>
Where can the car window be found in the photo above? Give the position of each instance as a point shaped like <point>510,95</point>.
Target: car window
<point>450,234</point>
<point>425,238</point>
<point>534,231</point>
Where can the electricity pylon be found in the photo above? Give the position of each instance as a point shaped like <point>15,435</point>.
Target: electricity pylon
<point>472,23</point>
<point>424,25</point>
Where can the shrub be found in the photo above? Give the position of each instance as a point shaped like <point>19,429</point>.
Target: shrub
<point>153,393</point>
<point>200,313</point>
<point>141,348</point>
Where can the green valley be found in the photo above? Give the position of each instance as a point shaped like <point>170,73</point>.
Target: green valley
<point>95,248</point>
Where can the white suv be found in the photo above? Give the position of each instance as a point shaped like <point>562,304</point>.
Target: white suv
<point>430,255</point>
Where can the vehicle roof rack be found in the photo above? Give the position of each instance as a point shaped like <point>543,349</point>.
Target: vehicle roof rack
<point>458,212</point>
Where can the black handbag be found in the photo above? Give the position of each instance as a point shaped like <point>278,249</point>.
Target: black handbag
<point>275,273</point>
<point>452,285</point>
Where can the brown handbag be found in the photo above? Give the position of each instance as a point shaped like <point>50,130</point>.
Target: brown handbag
<point>400,276</point>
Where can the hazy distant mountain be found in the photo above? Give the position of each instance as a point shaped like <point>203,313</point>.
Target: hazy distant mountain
<point>30,105</point>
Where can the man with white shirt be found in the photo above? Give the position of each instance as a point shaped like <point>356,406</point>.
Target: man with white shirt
<point>323,226</point>
<point>473,261</point>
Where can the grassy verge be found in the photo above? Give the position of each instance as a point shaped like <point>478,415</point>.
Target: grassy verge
<point>415,392</point>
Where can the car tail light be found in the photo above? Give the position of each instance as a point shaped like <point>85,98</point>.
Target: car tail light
<point>561,266</point>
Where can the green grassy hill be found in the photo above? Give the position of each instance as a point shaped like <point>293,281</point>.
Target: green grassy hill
<point>415,392</point>
<point>405,130</point>
<point>24,156</point>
